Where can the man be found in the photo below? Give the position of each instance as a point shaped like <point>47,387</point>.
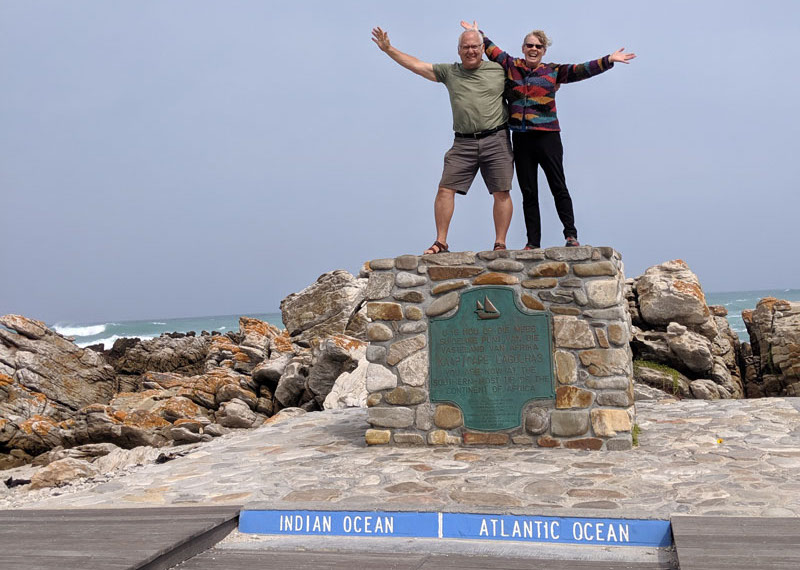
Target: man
<point>481,134</point>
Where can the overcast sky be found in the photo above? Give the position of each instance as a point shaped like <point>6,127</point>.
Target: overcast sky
<point>186,158</point>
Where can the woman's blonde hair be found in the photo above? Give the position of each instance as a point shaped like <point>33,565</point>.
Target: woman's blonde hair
<point>541,36</point>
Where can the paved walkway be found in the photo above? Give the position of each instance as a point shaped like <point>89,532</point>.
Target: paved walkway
<point>728,457</point>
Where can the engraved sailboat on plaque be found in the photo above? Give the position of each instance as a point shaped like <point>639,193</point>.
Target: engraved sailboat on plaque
<point>487,310</point>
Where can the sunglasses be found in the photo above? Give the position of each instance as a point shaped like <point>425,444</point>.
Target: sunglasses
<point>537,46</point>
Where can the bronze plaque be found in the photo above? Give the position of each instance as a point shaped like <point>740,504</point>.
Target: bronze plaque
<point>491,358</point>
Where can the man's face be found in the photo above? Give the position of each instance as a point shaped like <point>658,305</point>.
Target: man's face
<point>533,49</point>
<point>470,48</point>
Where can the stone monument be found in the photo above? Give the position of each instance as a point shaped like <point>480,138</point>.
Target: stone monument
<point>500,348</point>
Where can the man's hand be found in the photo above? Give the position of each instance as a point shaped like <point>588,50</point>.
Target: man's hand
<point>410,62</point>
<point>381,38</point>
<point>620,57</point>
<point>470,27</point>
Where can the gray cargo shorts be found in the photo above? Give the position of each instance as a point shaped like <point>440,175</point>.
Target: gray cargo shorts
<point>491,154</point>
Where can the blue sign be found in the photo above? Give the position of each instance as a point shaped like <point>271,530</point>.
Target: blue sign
<point>340,523</point>
<point>608,532</point>
<point>516,528</point>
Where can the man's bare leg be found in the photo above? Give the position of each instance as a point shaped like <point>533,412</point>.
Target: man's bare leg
<point>502,211</point>
<point>443,207</point>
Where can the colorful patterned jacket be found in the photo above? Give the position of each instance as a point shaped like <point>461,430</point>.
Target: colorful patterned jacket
<point>531,94</point>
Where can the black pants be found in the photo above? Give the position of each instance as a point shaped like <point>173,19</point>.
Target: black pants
<point>531,149</point>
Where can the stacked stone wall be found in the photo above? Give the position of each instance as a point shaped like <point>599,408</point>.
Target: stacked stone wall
<point>581,288</point>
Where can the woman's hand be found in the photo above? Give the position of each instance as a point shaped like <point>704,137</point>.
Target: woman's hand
<point>618,56</point>
<point>470,27</point>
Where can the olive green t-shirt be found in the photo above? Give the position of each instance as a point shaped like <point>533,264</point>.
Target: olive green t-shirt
<point>476,95</point>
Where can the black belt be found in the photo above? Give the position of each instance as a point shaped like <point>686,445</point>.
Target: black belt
<point>481,134</point>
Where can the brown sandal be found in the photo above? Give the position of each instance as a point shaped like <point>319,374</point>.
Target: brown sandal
<point>437,247</point>
<point>499,246</point>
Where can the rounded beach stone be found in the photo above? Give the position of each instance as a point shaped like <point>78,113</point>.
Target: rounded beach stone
<point>413,313</point>
<point>448,286</point>
<point>594,269</point>
<point>413,328</point>
<point>376,353</point>
<point>531,303</point>
<point>549,269</point>
<point>384,311</point>
<point>568,423</point>
<point>621,399</point>
<point>379,332</point>
<point>378,436</point>
<point>406,396</point>
<point>381,264</point>
<point>406,438</point>
<point>606,423</point>
<point>394,417</point>
<point>566,367</point>
<point>495,279</point>
<point>573,397</point>
<point>547,441</point>
<point>406,280</point>
<point>442,304</point>
<point>374,400</point>
<point>406,262</point>
<point>447,417</point>
<point>537,421</point>
<point>380,378</point>
<point>505,265</point>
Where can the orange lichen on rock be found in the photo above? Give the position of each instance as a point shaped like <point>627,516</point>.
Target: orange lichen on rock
<point>347,342</point>
<point>282,342</point>
<point>39,425</point>
<point>6,380</point>
<point>249,325</point>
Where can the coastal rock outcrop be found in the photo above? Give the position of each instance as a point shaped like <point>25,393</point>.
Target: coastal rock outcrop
<point>772,358</point>
<point>331,305</point>
<point>44,379</point>
<point>674,327</point>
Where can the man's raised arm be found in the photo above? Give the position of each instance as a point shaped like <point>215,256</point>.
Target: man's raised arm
<point>410,62</point>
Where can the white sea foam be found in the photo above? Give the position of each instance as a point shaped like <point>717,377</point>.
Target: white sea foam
<point>90,330</point>
<point>109,342</point>
<point>157,323</point>
<point>221,328</point>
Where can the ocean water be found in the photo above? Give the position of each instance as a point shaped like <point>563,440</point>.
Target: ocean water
<point>86,334</point>
<point>738,301</point>
<point>106,333</point>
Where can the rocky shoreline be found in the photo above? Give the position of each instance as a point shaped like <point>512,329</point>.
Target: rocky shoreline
<point>68,412</point>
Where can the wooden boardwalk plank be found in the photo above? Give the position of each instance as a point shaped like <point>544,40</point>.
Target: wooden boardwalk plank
<point>736,543</point>
<point>110,538</point>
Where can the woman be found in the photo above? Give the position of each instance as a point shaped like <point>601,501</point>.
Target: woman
<point>530,92</point>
